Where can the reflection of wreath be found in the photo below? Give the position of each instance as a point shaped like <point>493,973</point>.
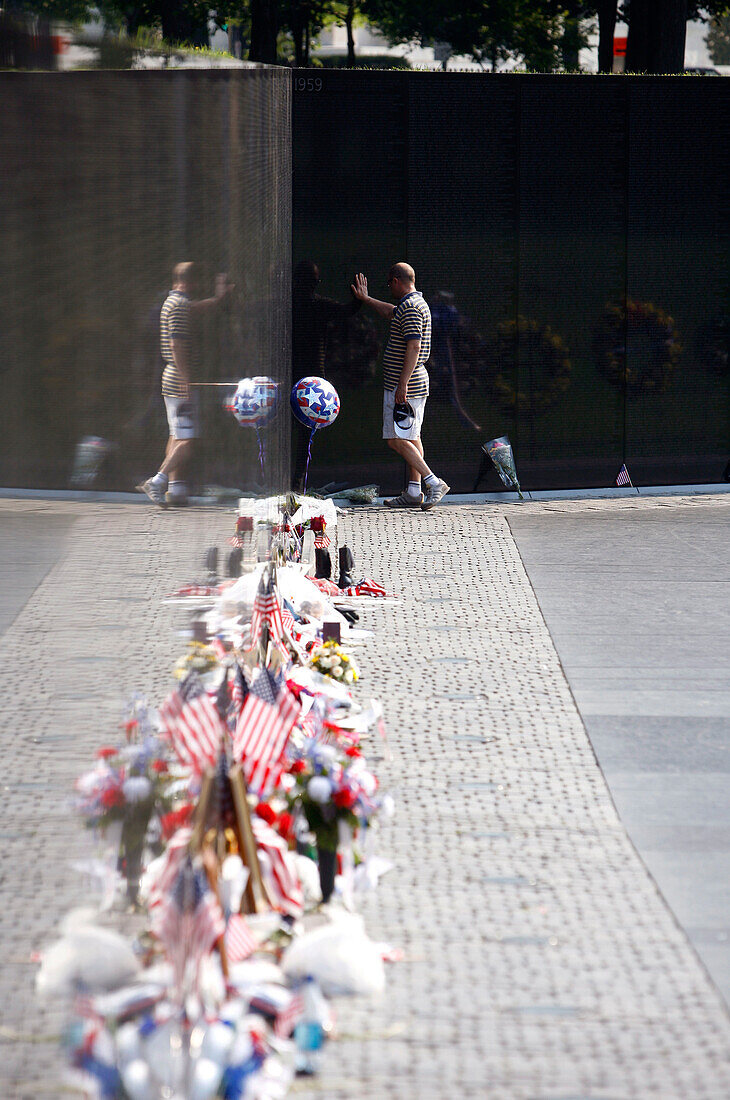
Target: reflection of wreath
<point>544,365</point>
<point>713,345</point>
<point>653,342</point>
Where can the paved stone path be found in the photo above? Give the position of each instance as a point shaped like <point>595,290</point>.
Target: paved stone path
<point>541,964</point>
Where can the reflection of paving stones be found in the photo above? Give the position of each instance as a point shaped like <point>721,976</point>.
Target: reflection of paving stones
<point>540,963</point>
<point>91,632</point>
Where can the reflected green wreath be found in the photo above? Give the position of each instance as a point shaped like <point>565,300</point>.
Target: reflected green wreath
<point>654,347</point>
<point>544,367</point>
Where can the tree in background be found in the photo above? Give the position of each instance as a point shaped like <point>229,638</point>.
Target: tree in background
<point>658,30</point>
<point>544,34</point>
<point>718,40</point>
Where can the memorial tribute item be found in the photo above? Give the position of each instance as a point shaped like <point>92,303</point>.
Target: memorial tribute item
<point>254,405</point>
<point>315,404</point>
<point>500,452</point>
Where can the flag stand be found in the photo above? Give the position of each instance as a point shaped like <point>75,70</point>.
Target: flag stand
<point>255,898</point>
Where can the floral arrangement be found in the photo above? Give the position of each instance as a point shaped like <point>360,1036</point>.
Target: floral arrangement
<point>331,660</point>
<point>332,785</point>
<point>199,657</point>
<point>127,780</point>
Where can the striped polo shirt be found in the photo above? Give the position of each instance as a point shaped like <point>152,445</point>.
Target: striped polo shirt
<point>411,320</point>
<point>174,324</point>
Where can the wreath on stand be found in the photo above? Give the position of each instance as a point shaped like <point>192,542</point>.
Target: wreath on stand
<point>654,347</point>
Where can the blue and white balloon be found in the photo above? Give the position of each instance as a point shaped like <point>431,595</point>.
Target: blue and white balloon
<point>255,402</point>
<point>315,402</point>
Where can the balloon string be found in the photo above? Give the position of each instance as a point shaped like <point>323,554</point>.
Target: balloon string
<point>262,451</point>
<point>309,455</point>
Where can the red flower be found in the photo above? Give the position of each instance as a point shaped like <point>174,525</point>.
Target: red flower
<point>264,810</point>
<point>298,767</point>
<point>112,797</point>
<point>317,523</point>
<point>131,728</point>
<point>353,751</point>
<point>159,766</point>
<point>175,820</point>
<point>105,752</point>
<point>285,825</point>
<point>344,799</point>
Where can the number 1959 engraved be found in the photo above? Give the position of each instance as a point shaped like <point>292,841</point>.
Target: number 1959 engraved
<point>307,83</point>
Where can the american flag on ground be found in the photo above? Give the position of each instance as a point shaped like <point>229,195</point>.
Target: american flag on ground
<point>623,477</point>
<point>239,940</point>
<point>191,722</point>
<point>195,590</point>
<point>262,731</point>
<point>189,920</point>
<point>280,879</point>
<point>367,587</point>
<point>266,612</point>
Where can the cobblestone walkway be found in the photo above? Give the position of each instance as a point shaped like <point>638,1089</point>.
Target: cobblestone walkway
<point>541,964</point>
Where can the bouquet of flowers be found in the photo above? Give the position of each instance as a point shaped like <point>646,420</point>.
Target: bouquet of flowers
<point>199,657</point>
<point>332,786</point>
<point>127,786</point>
<point>331,660</point>
<point>500,452</point>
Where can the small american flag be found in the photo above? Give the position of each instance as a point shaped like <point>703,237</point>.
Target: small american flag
<point>262,731</point>
<point>280,879</point>
<point>195,590</point>
<point>190,919</point>
<point>239,689</point>
<point>266,612</point>
<point>623,477</point>
<point>322,540</point>
<point>367,587</point>
<point>288,1018</point>
<point>239,940</point>
<point>192,724</point>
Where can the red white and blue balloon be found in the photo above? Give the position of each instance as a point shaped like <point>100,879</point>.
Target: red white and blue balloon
<point>255,401</point>
<point>315,402</point>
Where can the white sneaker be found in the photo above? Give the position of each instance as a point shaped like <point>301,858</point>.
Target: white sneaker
<point>153,491</point>
<point>434,493</point>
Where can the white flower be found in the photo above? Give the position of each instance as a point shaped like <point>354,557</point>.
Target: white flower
<point>136,788</point>
<point>319,789</point>
<point>337,671</point>
<point>335,661</point>
<point>324,662</point>
<point>349,676</point>
<point>368,783</point>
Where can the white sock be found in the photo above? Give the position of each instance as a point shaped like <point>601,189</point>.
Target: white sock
<point>414,489</point>
<point>159,478</point>
<point>431,479</point>
<point>177,488</point>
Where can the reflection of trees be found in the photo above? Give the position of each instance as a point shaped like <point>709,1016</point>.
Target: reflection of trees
<point>78,392</point>
<point>352,351</point>
<point>637,346</point>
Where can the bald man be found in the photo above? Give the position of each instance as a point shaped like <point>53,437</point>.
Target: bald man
<point>405,379</point>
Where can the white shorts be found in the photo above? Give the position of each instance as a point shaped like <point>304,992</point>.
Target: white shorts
<point>182,417</point>
<point>418,404</point>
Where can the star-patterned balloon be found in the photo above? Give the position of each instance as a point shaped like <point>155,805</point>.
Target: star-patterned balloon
<point>315,402</point>
<point>255,401</point>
